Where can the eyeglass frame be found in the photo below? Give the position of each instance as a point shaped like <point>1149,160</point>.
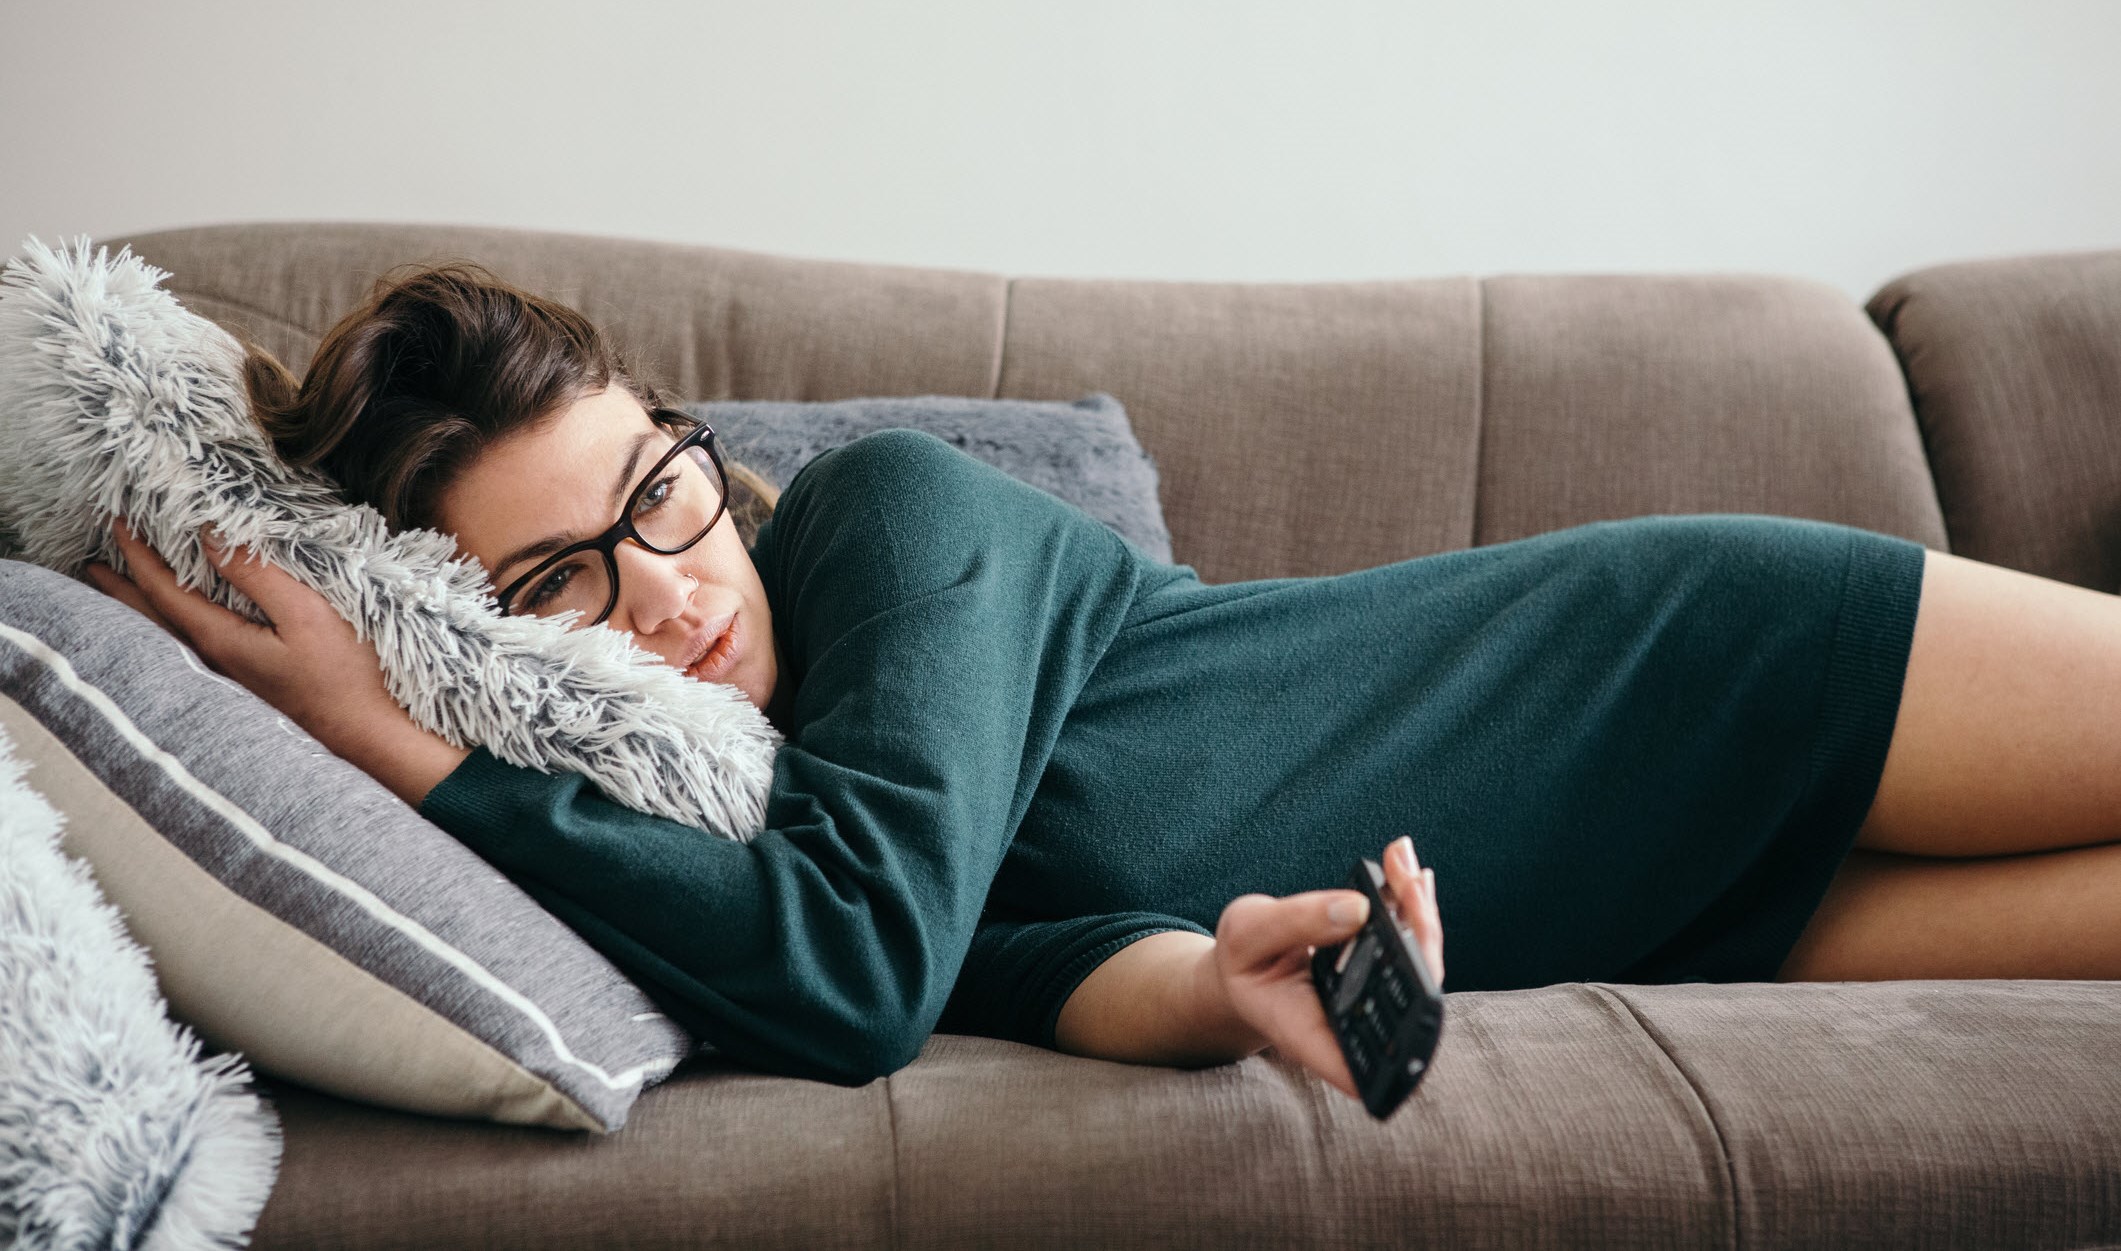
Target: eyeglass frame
<point>606,544</point>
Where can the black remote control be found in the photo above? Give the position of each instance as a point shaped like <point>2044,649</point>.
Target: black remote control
<point>1380,999</point>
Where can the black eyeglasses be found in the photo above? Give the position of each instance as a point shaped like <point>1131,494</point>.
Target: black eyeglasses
<point>671,508</point>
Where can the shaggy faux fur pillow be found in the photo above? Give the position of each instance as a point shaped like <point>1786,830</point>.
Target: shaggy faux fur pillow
<point>114,1132</point>
<point>116,400</point>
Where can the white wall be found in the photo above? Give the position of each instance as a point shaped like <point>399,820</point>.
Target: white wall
<point>1218,139</point>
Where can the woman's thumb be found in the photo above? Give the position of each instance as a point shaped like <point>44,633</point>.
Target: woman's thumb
<point>1345,912</point>
<point>1258,931</point>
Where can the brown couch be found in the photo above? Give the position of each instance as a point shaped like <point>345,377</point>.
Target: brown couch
<point>1315,428</point>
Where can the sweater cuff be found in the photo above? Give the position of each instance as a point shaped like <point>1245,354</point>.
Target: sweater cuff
<point>1019,974</point>
<point>484,797</point>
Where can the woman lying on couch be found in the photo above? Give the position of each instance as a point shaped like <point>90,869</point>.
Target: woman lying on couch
<point>1026,767</point>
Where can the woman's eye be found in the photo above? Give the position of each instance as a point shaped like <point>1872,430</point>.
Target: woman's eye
<point>549,587</point>
<point>657,494</point>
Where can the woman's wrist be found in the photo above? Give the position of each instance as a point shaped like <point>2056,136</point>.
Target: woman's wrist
<point>1218,1020</point>
<point>409,760</point>
<point>1158,1000</point>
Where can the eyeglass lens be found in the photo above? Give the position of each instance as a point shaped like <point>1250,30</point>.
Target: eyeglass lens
<point>673,508</point>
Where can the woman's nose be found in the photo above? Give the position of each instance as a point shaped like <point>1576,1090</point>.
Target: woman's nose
<point>652,589</point>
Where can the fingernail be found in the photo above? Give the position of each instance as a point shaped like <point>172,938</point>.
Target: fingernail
<point>1428,879</point>
<point>1405,850</point>
<point>1348,910</point>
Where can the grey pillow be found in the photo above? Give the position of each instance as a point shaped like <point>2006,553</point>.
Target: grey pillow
<point>1083,452</point>
<point>296,911</point>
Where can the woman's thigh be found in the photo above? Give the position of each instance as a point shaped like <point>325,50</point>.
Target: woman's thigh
<point>2043,914</point>
<point>2008,736</point>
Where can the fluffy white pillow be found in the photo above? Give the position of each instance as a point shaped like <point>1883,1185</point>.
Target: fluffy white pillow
<point>116,400</point>
<point>114,1131</point>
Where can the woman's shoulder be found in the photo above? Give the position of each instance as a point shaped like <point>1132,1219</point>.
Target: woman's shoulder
<point>889,458</point>
<point>904,506</point>
<point>898,508</point>
<point>900,516</point>
<point>890,476</point>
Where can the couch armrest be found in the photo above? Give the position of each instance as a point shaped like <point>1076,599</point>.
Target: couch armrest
<point>2015,369</point>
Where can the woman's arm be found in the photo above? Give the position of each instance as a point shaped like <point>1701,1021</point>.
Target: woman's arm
<point>1158,1000</point>
<point>1183,999</point>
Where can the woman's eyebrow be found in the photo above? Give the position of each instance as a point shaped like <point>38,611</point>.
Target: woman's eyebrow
<point>554,542</point>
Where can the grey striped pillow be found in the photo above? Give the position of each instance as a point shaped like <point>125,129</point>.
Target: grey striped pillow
<point>297,912</point>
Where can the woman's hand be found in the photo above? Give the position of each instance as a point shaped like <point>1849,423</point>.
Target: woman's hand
<point>1263,949</point>
<point>308,663</point>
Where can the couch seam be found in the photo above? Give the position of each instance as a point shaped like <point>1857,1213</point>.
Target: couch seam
<point>1480,398</point>
<point>1887,329</point>
<point>891,1118</point>
<point>1001,338</point>
<point>1723,1146</point>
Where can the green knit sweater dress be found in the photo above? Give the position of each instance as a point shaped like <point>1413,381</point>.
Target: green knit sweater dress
<point>1632,751</point>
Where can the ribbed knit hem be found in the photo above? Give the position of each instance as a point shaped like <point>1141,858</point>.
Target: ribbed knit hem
<point>1859,704</point>
<point>1749,932</point>
<point>1864,677</point>
<point>477,801</point>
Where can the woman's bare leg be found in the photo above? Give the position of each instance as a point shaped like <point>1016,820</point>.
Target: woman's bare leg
<point>2042,914</point>
<point>1990,848</point>
<point>2009,733</point>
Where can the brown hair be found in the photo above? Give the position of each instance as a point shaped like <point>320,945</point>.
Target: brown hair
<point>432,368</point>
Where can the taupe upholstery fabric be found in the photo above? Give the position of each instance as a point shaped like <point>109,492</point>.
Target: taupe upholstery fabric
<point>1001,1145</point>
<point>2015,367</point>
<point>709,323</point>
<point>1893,1114</point>
<point>1313,428</point>
<point>1909,1113</point>
<point>1306,428</point>
<point>1625,395</point>
<point>1297,429</point>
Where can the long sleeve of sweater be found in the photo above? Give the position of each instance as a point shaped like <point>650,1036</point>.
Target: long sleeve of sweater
<point>938,617</point>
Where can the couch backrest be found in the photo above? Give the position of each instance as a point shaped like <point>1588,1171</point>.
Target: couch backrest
<point>2015,366</point>
<point>1298,428</point>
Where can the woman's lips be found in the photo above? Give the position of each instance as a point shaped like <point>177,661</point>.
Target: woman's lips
<point>722,656</point>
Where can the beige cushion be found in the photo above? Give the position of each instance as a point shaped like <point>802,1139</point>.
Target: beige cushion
<point>248,981</point>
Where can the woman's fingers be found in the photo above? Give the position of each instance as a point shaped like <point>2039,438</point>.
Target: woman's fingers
<point>118,587</point>
<point>201,622</point>
<point>1261,930</point>
<point>286,599</point>
<point>1264,947</point>
<point>1415,890</point>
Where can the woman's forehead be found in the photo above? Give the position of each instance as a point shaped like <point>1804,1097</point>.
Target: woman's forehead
<point>568,474</point>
